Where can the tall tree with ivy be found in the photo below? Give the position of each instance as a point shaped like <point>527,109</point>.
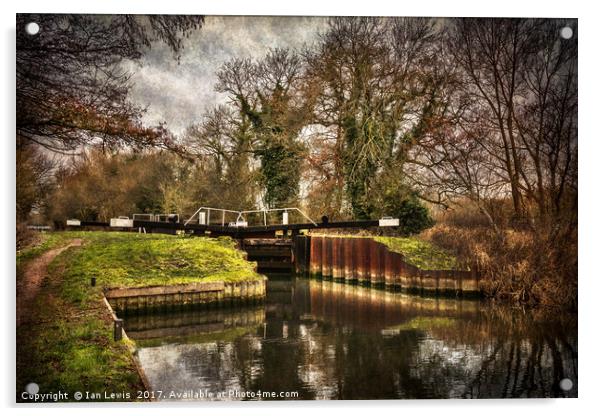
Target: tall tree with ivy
<point>375,84</point>
<point>267,92</point>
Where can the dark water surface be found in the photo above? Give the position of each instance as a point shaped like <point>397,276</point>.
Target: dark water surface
<point>322,340</point>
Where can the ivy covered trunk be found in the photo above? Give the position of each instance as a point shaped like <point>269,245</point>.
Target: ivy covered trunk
<point>280,174</point>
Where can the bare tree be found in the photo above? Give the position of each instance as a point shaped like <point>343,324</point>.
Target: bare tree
<point>222,144</point>
<point>71,87</point>
<point>546,123</point>
<point>34,179</point>
<point>509,125</point>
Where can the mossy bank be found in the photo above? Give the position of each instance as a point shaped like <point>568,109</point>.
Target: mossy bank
<point>66,344</point>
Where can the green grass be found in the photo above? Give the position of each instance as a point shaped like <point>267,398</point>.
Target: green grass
<point>420,253</point>
<point>136,260</point>
<point>69,345</point>
<point>47,242</point>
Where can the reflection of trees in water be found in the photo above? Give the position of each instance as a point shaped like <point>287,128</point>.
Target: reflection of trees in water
<point>386,372</point>
<point>213,364</point>
<point>251,363</point>
<point>321,353</point>
<point>320,361</point>
<point>280,363</point>
<point>505,353</point>
<point>521,368</point>
<point>495,352</point>
<point>528,356</point>
<point>399,366</point>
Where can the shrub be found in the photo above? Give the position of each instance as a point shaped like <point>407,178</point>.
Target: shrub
<point>413,216</point>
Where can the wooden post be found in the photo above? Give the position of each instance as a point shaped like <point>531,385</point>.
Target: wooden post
<point>118,329</point>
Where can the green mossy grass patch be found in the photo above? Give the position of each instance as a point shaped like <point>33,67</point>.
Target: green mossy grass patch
<point>420,253</point>
<point>48,241</point>
<point>120,260</point>
<point>68,346</point>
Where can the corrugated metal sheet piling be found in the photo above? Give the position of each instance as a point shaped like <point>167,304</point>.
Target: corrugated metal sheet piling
<point>366,261</point>
<point>349,272</point>
<point>315,259</point>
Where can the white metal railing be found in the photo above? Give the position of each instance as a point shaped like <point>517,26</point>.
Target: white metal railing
<point>241,215</point>
<point>208,218</point>
<point>38,227</point>
<point>167,217</point>
<point>265,214</point>
<point>144,217</point>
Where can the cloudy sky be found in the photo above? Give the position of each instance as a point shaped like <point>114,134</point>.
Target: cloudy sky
<point>180,93</point>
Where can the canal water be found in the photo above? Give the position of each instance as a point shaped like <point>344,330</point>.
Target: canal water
<point>314,339</point>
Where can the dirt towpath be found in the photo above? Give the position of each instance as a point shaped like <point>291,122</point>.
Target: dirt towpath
<point>33,276</point>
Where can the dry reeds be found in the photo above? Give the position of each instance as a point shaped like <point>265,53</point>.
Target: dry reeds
<point>525,266</point>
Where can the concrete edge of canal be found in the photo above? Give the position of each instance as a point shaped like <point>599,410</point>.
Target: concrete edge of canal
<point>118,334</point>
<point>175,297</point>
<point>182,296</point>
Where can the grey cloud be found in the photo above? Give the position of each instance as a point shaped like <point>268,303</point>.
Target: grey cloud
<point>179,94</point>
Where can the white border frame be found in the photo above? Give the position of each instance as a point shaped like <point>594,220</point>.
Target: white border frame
<point>590,201</point>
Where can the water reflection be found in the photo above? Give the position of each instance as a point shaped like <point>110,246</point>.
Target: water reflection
<point>326,340</point>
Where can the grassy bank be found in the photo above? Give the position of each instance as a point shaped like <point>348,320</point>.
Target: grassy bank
<point>519,266</point>
<point>135,260</point>
<point>66,343</point>
<point>45,242</point>
<point>420,253</point>
<point>68,347</point>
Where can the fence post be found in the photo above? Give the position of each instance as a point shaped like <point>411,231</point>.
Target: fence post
<point>118,329</point>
